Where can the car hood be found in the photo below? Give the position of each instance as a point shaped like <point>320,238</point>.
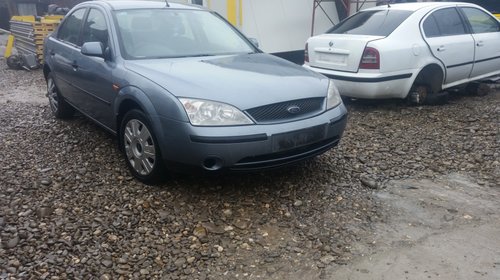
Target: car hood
<point>244,81</point>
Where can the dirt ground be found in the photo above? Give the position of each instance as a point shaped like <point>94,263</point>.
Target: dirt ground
<point>444,228</point>
<point>20,90</point>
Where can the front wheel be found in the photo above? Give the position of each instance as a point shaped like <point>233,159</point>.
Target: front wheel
<point>140,147</point>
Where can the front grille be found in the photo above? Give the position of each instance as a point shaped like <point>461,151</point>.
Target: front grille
<point>281,111</point>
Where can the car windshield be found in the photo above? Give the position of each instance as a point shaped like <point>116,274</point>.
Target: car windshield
<point>376,23</point>
<point>167,33</point>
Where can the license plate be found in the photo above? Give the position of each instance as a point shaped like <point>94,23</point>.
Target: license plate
<point>294,139</point>
<point>332,58</point>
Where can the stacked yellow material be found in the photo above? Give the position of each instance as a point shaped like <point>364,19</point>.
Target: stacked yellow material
<point>29,33</point>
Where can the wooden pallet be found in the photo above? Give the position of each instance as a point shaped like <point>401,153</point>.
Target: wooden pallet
<point>43,29</point>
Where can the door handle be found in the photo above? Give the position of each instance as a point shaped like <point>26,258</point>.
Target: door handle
<point>480,44</point>
<point>52,53</point>
<point>441,49</point>
<point>74,65</point>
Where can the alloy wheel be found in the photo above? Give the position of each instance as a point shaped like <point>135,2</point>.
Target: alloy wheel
<point>52,95</point>
<point>139,147</point>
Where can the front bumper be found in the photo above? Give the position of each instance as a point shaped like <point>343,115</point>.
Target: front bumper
<point>369,85</point>
<point>252,147</point>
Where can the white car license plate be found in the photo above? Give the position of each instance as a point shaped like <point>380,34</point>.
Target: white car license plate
<point>332,58</point>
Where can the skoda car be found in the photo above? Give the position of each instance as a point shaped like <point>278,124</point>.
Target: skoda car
<point>180,86</point>
<point>413,50</point>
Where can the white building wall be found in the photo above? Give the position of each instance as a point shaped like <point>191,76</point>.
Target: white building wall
<point>278,25</point>
<point>284,25</point>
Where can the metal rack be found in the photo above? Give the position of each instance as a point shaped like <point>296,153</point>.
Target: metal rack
<point>29,33</point>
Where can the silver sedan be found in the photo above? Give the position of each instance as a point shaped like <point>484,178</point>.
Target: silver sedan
<point>180,86</point>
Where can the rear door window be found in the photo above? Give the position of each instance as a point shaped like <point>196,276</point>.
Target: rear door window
<point>444,22</point>
<point>70,28</point>
<point>376,23</point>
<point>431,28</point>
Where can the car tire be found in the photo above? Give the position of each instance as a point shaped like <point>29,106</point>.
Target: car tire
<point>140,148</point>
<point>15,62</point>
<point>59,107</point>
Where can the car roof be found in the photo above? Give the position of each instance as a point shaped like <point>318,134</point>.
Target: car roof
<point>414,6</point>
<point>137,4</point>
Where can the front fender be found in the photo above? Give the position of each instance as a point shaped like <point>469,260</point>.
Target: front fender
<point>138,97</point>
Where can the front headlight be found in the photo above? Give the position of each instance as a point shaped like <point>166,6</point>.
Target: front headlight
<point>211,113</point>
<point>333,98</point>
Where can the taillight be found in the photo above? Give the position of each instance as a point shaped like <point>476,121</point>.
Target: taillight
<point>370,59</point>
<point>306,53</point>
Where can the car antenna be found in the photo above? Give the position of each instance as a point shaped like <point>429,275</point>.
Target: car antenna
<point>388,4</point>
<point>166,2</point>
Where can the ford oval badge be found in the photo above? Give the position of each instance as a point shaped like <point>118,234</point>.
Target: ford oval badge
<point>294,109</point>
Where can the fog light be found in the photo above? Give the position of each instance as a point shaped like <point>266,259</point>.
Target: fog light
<point>212,163</point>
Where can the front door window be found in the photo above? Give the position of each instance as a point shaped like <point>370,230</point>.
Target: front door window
<point>480,21</point>
<point>95,29</point>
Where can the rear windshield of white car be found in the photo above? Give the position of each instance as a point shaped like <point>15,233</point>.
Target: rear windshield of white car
<point>376,23</point>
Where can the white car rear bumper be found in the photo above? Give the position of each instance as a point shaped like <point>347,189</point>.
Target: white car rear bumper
<point>370,85</point>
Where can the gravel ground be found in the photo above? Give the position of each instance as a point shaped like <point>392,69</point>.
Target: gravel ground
<point>69,208</point>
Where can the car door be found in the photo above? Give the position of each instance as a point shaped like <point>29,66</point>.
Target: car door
<point>62,50</point>
<point>486,33</point>
<point>449,41</point>
<point>94,74</point>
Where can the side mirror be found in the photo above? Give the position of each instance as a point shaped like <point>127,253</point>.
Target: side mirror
<point>93,49</point>
<point>254,42</point>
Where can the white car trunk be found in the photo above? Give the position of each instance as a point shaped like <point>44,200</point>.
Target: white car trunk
<point>338,51</point>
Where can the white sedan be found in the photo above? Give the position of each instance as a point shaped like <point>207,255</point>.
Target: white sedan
<point>412,50</point>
